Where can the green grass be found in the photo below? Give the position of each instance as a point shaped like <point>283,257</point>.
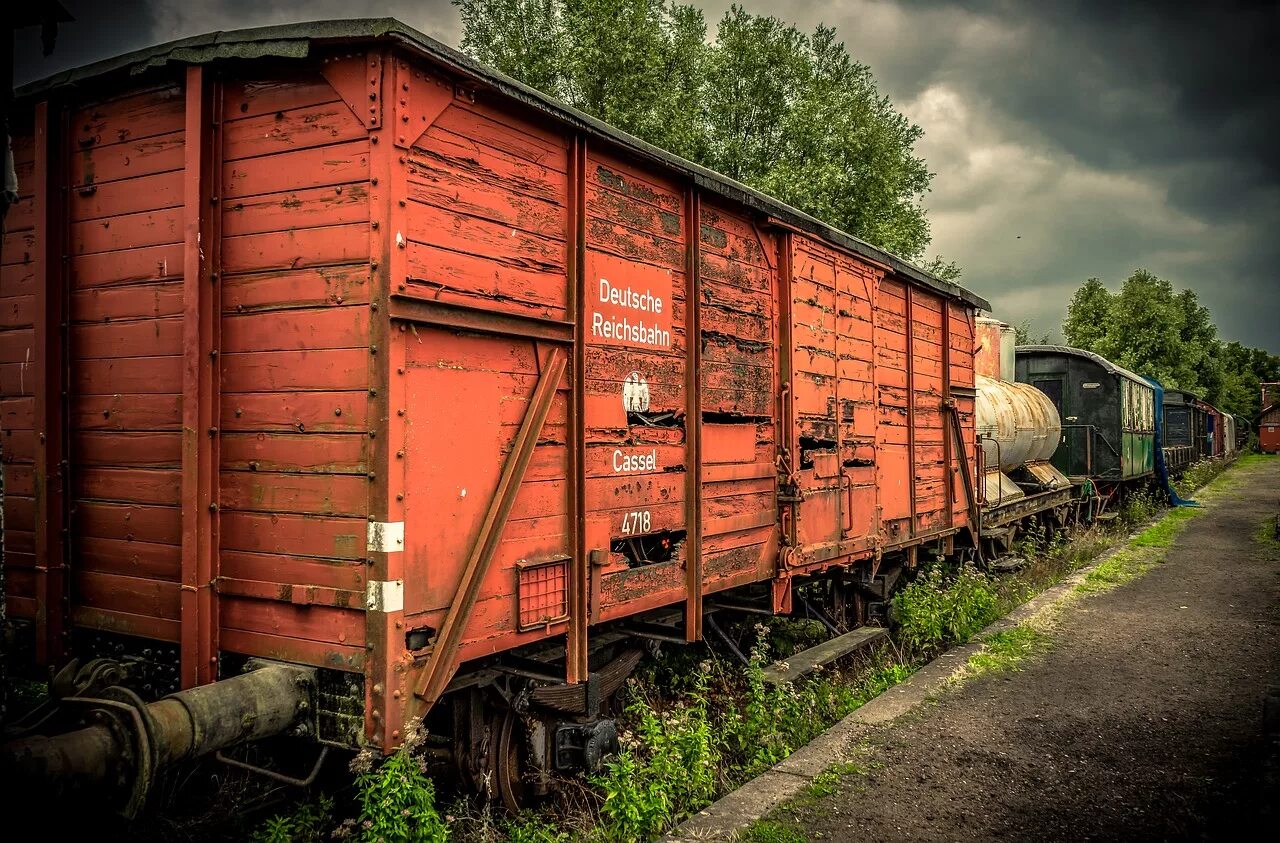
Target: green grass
<point>828,782</point>
<point>1006,650</point>
<point>1163,532</point>
<point>771,831</point>
<point>1142,553</point>
<point>1247,460</point>
<point>1265,537</point>
<point>1122,567</point>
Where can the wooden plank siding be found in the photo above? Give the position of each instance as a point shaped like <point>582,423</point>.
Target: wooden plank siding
<point>125,243</point>
<point>635,239</point>
<point>385,263</point>
<point>17,382</point>
<point>295,455</point>
<point>739,381</point>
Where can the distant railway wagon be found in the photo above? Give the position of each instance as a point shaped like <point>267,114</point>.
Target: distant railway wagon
<point>1185,429</point>
<point>1108,412</point>
<point>325,346</point>
<point>1269,420</point>
<point>1215,436</point>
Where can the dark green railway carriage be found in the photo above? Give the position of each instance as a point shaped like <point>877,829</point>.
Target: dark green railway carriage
<point>1108,412</point>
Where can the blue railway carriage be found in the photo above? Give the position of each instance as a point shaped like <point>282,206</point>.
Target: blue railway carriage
<point>1107,411</point>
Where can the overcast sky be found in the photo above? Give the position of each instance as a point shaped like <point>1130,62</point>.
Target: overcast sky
<point>1068,139</point>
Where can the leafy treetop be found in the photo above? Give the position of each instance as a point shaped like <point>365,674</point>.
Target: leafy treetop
<point>789,113</point>
<point>1168,335</point>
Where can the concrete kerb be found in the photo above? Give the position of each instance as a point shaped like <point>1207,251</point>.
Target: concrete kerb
<point>734,812</point>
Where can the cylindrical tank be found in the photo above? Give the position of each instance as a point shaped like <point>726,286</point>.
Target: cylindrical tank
<point>1020,419</point>
<point>994,350</point>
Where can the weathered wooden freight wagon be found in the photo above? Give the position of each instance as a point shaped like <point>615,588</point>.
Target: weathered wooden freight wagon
<point>1108,412</point>
<point>325,345</point>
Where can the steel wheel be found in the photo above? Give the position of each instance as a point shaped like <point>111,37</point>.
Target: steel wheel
<point>508,756</point>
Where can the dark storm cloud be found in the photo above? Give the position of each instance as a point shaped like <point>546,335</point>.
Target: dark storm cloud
<point>1090,138</point>
<point>100,30</point>
<point>1069,139</point>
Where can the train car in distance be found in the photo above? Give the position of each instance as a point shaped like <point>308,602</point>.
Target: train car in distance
<point>1185,429</point>
<point>1215,436</point>
<point>1108,413</point>
<point>1269,420</point>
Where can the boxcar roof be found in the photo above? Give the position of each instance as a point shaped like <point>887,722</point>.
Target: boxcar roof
<point>1067,350</point>
<point>295,41</point>
<point>1183,396</point>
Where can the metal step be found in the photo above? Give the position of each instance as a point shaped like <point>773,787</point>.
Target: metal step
<point>807,661</point>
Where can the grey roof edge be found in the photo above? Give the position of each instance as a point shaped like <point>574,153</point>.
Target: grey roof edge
<point>1170,389</point>
<point>1106,364</point>
<point>295,40</point>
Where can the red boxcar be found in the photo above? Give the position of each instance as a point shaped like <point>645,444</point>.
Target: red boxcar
<point>1269,420</point>
<point>324,344</point>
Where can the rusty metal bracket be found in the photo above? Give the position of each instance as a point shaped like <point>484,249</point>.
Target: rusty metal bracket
<point>417,99</point>
<point>770,256</point>
<point>440,665</point>
<point>357,79</point>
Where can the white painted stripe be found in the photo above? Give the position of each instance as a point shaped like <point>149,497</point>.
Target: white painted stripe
<point>386,536</point>
<point>384,596</point>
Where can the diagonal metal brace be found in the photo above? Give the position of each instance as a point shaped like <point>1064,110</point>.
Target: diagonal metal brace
<point>442,662</point>
<point>975,514</point>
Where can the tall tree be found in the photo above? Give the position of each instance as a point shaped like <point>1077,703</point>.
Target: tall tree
<point>1022,335</point>
<point>789,113</point>
<point>1143,331</point>
<point>1088,315</point>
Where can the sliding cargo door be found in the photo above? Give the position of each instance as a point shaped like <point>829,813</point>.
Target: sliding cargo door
<point>832,402</point>
<point>482,346</point>
<point>737,377</point>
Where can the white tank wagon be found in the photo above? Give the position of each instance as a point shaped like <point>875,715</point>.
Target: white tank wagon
<point>1019,429</point>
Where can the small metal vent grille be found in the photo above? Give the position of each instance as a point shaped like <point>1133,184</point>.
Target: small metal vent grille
<point>542,593</point>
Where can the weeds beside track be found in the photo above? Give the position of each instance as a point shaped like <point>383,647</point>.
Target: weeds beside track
<point>695,726</point>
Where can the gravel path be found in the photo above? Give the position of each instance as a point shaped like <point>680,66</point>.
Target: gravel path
<point>1142,722</point>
